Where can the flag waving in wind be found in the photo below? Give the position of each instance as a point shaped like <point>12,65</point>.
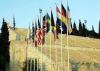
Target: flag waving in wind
<point>60,23</point>
<point>47,22</point>
<point>69,20</point>
<point>53,27</point>
<point>63,13</point>
<point>39,25</point>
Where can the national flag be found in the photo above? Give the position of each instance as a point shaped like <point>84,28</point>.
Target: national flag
<point>69,20</point>
<point>39,24</point>
<point>63,14</point>
<point>35,26</point>
<point>53,27</point>
<point>33,31</point>
<point>43,30</point>
<point>47,22</point>
<point>52,22</point>
<point>60,25</point>
<point>44,24</point>
<point>36,34</point>
<point>58,21</point>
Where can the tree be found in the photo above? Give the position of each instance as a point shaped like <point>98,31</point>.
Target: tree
<point>4,47</point>
<point>74,31</point>
<point>84,30</point>
<point>14,24</point>
<point>99,29</point>
<point>92,32</point>
<point>80,28</point>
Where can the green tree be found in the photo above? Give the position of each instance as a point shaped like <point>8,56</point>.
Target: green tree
<point>99,29</point>
<point>84,30</point>
<point>14,24</point>
<point>75,31</point>
<point>80,28</point>
<point>93,32</point>
<point>4,47</point>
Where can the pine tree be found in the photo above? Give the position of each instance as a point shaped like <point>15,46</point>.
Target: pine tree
<point>75,31</point>
<point>93,32</point>
<point>14,24</point>
<point>4,47</point>
<point>84,30</point>
<point>99,28</point>
<point>80,28</point>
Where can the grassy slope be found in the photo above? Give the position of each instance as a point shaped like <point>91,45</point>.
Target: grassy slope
<point>74,41</point>
<point>75,56</point>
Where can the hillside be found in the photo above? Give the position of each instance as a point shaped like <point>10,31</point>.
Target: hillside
<point>83,53</point>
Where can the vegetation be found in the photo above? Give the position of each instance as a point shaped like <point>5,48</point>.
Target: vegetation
<point>99,29</point>
<point>4,47</point>
<point>83,31</point>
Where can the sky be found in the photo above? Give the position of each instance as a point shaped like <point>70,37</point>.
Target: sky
<point>26,11</point>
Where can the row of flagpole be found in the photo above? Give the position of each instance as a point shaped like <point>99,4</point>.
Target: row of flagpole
<point>55,43</point>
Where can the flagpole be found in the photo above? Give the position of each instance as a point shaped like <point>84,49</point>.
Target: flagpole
<point>67,36</point>
<point>61,35</point>
<point>33,29</point>
<point>55,45</point>
<point>26,56</point>
<point>41,40</point>
<point>27,51</point>
<point>50,43</point>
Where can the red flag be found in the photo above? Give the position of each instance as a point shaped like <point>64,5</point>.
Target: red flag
<point>38,39</point>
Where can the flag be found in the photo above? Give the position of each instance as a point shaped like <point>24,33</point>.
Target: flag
<point>36,34</point>
<point>44,22</point>
<point>47,23</point>
<point>52,23</point>
<point>44,30</point>
<point>39,24</point>
<point>69,20</point>
<point>44,25</point>
<point>58,21</point>
<point>63,14</point>
<point>53,27</point>
<point>66,18</point>
<point>33,31</point>
<point>60,25</point>
<point>35,28</point>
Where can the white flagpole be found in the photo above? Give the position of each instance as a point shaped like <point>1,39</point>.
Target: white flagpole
<point>50,43</point>
<point>41,40</point>
<point>55,45</point>
<point>67,36</point>
<point>61,36</point>
<point>34,24</point>
<point>27,39</point>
